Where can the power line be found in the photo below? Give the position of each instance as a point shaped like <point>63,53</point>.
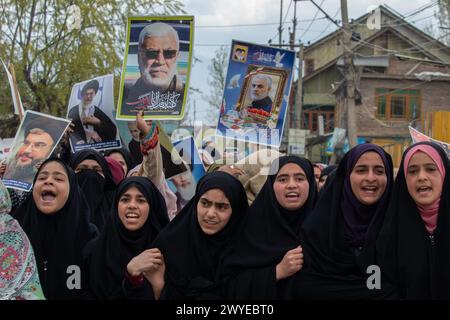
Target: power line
<point>310,24</point>
<point>329,24</point>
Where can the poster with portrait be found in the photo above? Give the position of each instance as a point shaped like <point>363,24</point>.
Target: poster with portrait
<point>129,134</point>
<point>184,184</point>
<point>91,108</point>
<point>35,140</point>
<point>156,68</point>
<point>256,93</point>
<point>5,147</point>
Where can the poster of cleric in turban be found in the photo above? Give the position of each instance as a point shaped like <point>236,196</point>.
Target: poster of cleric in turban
<point>156,68</point>
<point>256,94</point>
<point>35,140</point>
<point>91,108</point>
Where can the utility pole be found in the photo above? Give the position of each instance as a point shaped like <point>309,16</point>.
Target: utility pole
<point>294,26</point>
<point>280,28</point>
<point>299,93</point>
<point>292,113</point>
<point>350,76</point>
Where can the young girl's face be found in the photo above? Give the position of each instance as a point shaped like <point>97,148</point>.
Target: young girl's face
<point>51,189</point>
<point>291,187</point>
<point>133,209</point>
<point>368,178</point>
<point>423,179</point>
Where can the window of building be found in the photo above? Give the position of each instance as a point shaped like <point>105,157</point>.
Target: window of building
<point>395,104</point>
<point>311,118</point>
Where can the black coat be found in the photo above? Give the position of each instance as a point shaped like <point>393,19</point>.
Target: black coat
<point>338,246</point>
<point>107,130</point>
<point>192,257</point>
<point>417,263</point>
<point>58,239</point>
<point>267,233</point>
<point>106,257</point>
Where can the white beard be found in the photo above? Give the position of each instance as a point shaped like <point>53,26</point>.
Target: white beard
<point>188,192</point>
<point>256,97</point>
<point>158,83</point>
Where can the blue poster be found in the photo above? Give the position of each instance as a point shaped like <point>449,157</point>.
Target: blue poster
<point>256,94</point>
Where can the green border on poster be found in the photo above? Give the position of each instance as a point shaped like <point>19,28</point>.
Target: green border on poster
<point>188,74</point>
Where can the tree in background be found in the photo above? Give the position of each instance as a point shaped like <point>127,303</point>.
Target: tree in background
<point>217,73</point>
<point>443,16</point>
<point>51,53</point>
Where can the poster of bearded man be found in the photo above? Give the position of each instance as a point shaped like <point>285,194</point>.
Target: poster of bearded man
<point>156,68</point>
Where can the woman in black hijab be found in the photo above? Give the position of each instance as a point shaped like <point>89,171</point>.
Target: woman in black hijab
<point>96,181</point>
<point>195,241</point>
<point>123,157</point>
<point>339,237</point>
<point>414,243</point>
<point>268,243</point>
<point>139,214</point>
<point>55,218</point>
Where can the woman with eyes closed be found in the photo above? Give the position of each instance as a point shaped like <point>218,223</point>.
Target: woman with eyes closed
<point>339,237</point>
<point>55,218</point>
<point>414,243</point>
<point>267,252</point>
<point>121,261</point>
<point>97,183</point>
<point>196,240</point>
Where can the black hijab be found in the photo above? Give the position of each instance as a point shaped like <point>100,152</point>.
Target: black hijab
<point>58,239</point>
<point>108,255</point>
<point>339,237</point>
<point>192,257</point>
<point>268,232</point>
<point>418,268</point>
<point>126,156</point>
<point>99,191</point>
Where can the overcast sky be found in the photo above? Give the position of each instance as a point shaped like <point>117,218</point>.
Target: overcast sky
<point>217,22</point>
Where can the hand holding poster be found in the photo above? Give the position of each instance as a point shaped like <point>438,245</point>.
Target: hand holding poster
<point>155,75</point>
<point>91,108</point>
<point>35,141</point>
<point>256,93</point>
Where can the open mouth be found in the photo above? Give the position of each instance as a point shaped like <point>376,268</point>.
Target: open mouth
<point>209,222</point>
<point>370,189</point>
<point>48,195</point>
<point>424,190</point>
<point>131,216</point>
<point>292,195</point>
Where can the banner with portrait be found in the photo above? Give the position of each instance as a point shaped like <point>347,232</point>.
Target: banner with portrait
<point>184,184</point>
<point>5,147</point>
<point>35,141</point>
<point>129,134</point>
<point>256,95</point>
<point>91,109</point>
<point>156,68</point>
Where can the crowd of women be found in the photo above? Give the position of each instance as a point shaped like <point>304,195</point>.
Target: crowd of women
<point>89,216</point>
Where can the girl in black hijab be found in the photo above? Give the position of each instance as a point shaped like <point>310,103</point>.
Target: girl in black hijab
<point>56,219</point>
<point>339,237</point>
<point>414,243</point>
<point>139,214</point>
<point>123,157</point>
<point>266,252</point>
<point>195,241</point>
<point>96,181</point>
